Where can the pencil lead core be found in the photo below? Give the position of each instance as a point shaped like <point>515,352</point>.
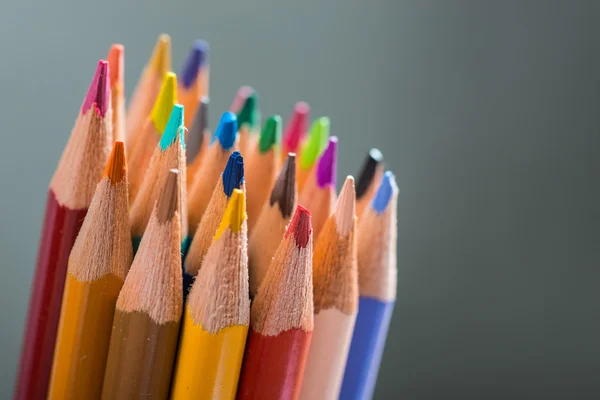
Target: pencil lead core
<point>326,169</point>
<point>227,130</point>
<point>164,103</point>
<point>284,191</point>
<point>235,214</point>
<point>296,127</point>
<point>384,193</point>
<point>195,60</point>
<point>300,227</point>
<point>365,178</point>
<point>173,128</point>
<point>116,166</point>
<point>315,143</point>
<point>345,211</point>
<point>116,63</point>
<point>99,90</point>
<point>233,175</point>
<point>161,55</point>
<point>271,134</point>
<point>249,114</point>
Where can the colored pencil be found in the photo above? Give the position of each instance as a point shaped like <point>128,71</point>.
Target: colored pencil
<point>169,153</point>
<point>377,287</point>
<point>248,119</point>
<point>319,194</point>
<point>98,263</point>
<point>148,137</point>
<point>198,139</point>
<point>208,173</point>
<point>116,63</point>
<point>335,299</point>
<point>232,178</point>
<point>217,314</point>
<point>69,196</point>
<point>147,90</point>
<point>368,180</point>
<point>272,222</point>
<point>281,319</point>
<point>148,312</point>
<point>193,80</point>
<point>262,168</point>
<point>312,147</point>
<point>240,98</point>
<point>295,130</point>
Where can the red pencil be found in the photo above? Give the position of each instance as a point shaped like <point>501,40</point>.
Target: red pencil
<point>69,196</point>
<point>281,321</point>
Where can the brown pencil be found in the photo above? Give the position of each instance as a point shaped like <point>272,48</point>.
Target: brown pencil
<point>197,142</point>
<point>98,264</point>
<point>272,222</point>
<point>148,312</point>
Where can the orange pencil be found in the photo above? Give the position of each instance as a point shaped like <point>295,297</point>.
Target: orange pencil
<point>116,62</point>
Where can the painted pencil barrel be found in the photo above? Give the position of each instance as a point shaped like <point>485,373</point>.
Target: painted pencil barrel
<point>140,358</point>
<point>366,349</point>
<point>274,365</point>
<point>83,338</point>
<point>59,231</point>
<point>208,365</point>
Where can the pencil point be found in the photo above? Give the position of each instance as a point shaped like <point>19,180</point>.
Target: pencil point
<point>168,201</point>
<point>300,227</point>
<point>296,127</point>
<point>327,165</point>
<point>173,128</point>
<point>161,56</point>
<point>195,60</point>
<point>316,142</point>
<point>284,191</point>
<point>271,134</point>
<point>367,173</point>
<point>164,103</point>
<point>99,91</point>
<point>196,133</point>
<point>345,210</point>
<point>227,130</point>
<point>384,194</point>
<point>116,166</point>
<point>116,63</point>
<point>249,113</point>
<point>233,175</point>
<point>235,214</point>
<point>240,97</point>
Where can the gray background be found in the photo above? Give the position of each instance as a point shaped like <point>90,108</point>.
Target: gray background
<point>486,111</point>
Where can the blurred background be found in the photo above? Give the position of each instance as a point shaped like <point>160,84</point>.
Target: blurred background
<point>487,112</point>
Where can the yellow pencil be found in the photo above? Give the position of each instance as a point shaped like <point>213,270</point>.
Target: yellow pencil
<point>217,314</point>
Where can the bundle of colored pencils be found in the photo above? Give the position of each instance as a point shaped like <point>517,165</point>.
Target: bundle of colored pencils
<point>180,263</point>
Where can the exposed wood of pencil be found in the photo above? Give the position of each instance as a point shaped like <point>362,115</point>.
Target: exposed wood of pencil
<point>217,314</point>
<point>116,61</point>
<point>377,286</point>
<point>98,263</point>
<point>71,190</point>
<point>368,180</point>
<point>198,139</point>
<point>335,300</point>
<point>148,312</point>
<point>163,159</point>
<point>147,89</point>
<point>150,134</point>
<point>281,319</point>
<point>272,223</point>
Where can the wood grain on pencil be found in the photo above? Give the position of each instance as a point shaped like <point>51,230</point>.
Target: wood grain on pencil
<point>335,300</point>
<point>71,190</point>
<point>148,311</point>
<point>98,263</point>
<point>272,223</point>
<point>281,319</point>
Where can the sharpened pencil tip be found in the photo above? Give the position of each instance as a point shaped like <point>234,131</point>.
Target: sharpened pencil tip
<point>369,169</point>
<point>240,97</point>
<point>168,201</point>
<point>271,134</point>
<point>296,127</point>
<point>384,194</point>
<point>116,63</point>
<point>99,90</point>
<point>316,143</point>
<point>116,167</point>
<point>249,114</point>
<point>164,102</point>
<point>327,166</point>
<point>235,214</point>
<point>173,128</point>
<point>233,175</point>
<point>161,56</point>
<point>227,130</point>
<point>195,60</point>
<point>300,227</point>
<point>345,210</point>
<point>196,135</point>
<point>284,192</point>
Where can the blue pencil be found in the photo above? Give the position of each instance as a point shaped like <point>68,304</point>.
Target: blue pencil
<point>377,287</point>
